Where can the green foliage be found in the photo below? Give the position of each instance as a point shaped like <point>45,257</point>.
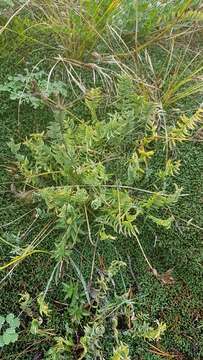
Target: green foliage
<point>162,222</point>
<point>25,302</point>
<point>142,328</point>
<point>147,17</point>
<point>79,186</point>
<point>171,169</point>
<point>91,341</point>
<point>87,188</point>
<point>91,322</point>
<point>33,88</point>
<point>75,27</point>
<point>155,334</point>
<point>121,353</point>
<point>106,177</point>
<point>104,311</point>
<point>8,327</point>
<point>8,5</point>
<point>60,350</point>
<point>185,125</point>
<point>76,300</point>
<point>72,168</point>
<point>13,35</point>
<point>43,307</point>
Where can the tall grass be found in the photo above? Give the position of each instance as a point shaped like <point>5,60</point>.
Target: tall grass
<point>74,26</point>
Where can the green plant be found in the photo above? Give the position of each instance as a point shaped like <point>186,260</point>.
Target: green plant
<point>32,88</point>
<point>76,301</point>
<point>105,178</point>
<point>75,26</point>
<point>40,89</point>
<point>86,335</point>
<point>121,352</point>
<point>143,23</point>
<point>143,329</point>
<point>72,168</point>
<point>8,327</point>
<point>184,126</point>
<point>60,350</point>
<point>8,5</point>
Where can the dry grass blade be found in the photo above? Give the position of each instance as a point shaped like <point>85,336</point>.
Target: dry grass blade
<point>16,13</point>
<point>164,354</point>
<point>76,26</point>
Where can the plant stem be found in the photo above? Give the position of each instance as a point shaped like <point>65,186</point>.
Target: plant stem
<point>143,253</point>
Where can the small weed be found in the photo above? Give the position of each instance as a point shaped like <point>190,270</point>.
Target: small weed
<point>8,326</point>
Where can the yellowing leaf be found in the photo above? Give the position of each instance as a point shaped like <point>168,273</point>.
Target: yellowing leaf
<point>162,222</point>
<point>121,353</point>
<point>155,334</point>
<point>43,307</point>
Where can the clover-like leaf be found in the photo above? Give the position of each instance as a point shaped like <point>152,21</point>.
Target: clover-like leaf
<point>12,321</point>
<point>9,336</point>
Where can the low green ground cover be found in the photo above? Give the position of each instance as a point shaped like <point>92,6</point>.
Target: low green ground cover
<point>131,296</point>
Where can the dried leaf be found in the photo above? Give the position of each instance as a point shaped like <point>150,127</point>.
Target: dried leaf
<point>25,196</point>
<point>198,135</point>
<point>166,278</point>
